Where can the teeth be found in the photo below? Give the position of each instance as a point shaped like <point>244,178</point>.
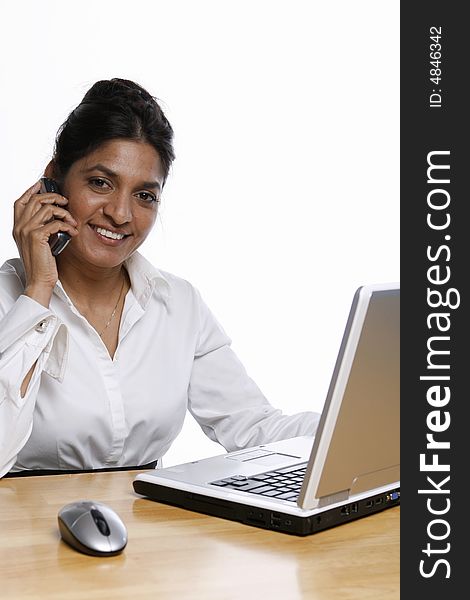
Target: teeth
<point>109,234</point>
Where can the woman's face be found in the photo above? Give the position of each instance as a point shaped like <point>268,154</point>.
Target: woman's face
<point>113,194</point>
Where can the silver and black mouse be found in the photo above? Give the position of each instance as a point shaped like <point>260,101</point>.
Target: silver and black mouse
<point>92,527</point>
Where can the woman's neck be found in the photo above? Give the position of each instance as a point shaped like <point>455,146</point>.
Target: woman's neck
<point>91,286</point>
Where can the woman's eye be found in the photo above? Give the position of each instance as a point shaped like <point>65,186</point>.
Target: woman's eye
<point>102,184</point>
<point>147,197</point>
<point>99,183</point>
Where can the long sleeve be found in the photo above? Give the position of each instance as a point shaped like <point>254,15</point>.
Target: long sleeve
<point>28,333</point>
<point>226,402</point>
<point>91,411</point>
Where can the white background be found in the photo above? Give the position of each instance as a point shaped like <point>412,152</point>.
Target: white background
<point>284,196</point>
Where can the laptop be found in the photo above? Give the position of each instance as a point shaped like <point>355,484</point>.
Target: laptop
<point>349,469</point>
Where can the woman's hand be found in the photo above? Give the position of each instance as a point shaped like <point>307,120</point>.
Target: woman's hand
<point>36,217</point>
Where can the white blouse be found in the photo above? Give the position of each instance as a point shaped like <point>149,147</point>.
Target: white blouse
<point>84,410</point>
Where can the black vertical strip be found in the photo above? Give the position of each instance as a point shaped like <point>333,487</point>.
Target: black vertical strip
<point>435,299</point>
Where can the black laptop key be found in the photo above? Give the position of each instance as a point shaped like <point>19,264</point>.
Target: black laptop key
<point>292,496</point>
<point>281,483</point>
<point>237,484</point>
<point>263,490</point>
<point>246,486</point>
<point>272,493</point>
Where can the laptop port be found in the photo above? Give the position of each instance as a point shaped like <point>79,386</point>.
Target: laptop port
<point>256,521</point>
<point>345,511</point>
<point>255,518</point>
<point>276,521</point>
<point>354,507</point>
<point>369,504</point>
<point>379,500</point>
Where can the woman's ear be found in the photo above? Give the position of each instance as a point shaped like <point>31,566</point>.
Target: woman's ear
<point>51,170</point>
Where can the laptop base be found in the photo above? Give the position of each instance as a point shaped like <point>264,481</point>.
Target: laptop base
<point>265,518</point>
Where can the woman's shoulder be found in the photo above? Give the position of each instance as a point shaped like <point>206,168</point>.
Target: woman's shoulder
<point>167,284</point>
<point>12,275</point>
<point>11,282</point>
<point>12,265</point>
<point>176,282</point>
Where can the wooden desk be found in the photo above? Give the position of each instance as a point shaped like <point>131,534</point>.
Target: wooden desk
<point>177,554</point>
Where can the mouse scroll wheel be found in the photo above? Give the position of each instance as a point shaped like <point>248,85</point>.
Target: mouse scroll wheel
<point>100,521</point>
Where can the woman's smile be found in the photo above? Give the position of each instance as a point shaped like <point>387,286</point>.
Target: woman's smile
<point>113,194</point>
<point>107,236</point>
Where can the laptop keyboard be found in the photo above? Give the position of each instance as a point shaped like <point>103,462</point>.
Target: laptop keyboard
<point>284,483</point>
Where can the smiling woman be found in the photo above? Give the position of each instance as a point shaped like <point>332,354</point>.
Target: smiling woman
<point>110,197</point>
<point>102,354</point>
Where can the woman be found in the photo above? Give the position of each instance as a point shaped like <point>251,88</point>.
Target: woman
<point>101,354</point>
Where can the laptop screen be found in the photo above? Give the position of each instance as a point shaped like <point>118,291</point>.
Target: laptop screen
<point>357,446</point>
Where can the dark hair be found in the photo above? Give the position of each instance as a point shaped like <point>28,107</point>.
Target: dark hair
<point>112,109</point>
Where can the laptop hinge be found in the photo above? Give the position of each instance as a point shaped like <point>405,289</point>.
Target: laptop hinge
<point>332,498</point>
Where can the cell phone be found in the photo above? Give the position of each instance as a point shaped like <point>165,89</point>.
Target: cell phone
<point>59,240</point>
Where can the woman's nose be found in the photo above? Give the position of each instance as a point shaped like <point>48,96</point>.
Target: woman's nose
<point>119,207</point>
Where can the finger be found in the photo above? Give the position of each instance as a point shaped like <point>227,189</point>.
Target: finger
<point>25,198</point>
<point>39,213</point>
<point>47,212</point>
<point>57,225</point>
<point>49,198</point>
<point>43,233</point>
<point>26,224</point>
<point>36,201</point>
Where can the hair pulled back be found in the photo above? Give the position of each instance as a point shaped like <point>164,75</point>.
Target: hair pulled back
<point>112,109</point>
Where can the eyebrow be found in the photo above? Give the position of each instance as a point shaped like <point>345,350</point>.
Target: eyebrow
<point>110,173</point>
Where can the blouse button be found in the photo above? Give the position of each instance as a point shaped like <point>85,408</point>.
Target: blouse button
<point>42,326</point>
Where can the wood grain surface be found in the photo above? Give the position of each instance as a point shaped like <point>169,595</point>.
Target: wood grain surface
<point>174,553</point>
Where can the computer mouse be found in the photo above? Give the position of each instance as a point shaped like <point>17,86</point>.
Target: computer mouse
<point>92,528</point>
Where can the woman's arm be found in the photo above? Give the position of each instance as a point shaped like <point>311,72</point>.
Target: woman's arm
<point>28,329</point>
<point>32,340</point>
<point>227,403</point>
